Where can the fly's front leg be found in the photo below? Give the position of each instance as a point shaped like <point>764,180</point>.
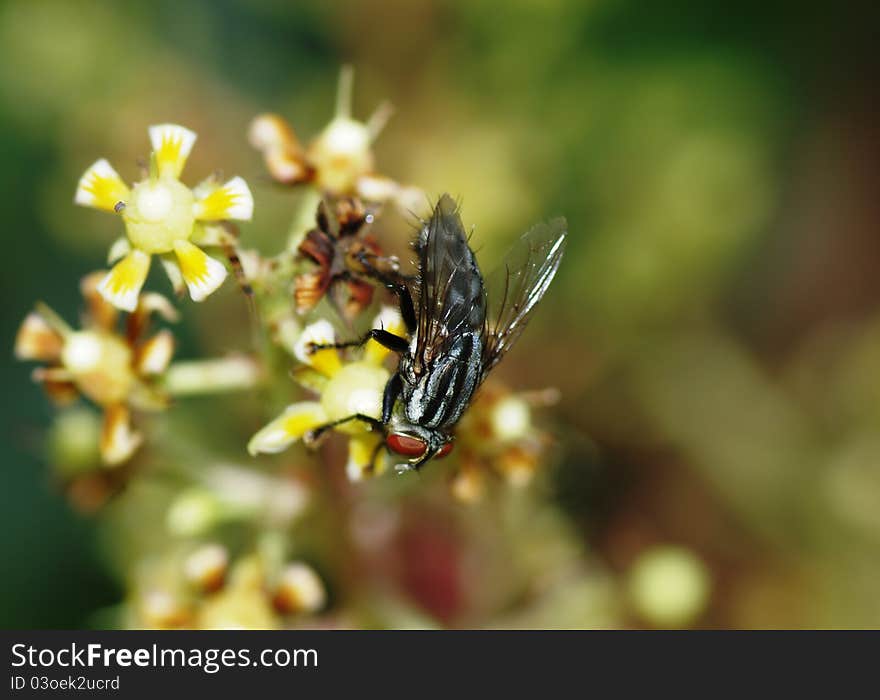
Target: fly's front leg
<point>388,271</point>
<point>389,397</point>
<point>398,286</point>
<point>386,339</point>
<point>312,436</point>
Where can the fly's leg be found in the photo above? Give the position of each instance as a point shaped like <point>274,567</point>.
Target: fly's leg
<point>396,284</point>
<point>312,436</point>
<point>390,395</point>
<point>370,262</point>
<point>387,340</point>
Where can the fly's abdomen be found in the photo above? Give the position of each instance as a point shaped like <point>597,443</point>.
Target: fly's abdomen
<point>441,395</point>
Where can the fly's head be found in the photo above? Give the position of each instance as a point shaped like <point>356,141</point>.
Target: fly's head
<point>416,444</point>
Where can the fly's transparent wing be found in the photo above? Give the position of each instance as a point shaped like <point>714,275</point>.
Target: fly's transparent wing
<point>517,285</point>
<point>451,295</point>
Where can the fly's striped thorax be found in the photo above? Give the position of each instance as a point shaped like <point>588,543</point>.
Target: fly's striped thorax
<point>438,397</point>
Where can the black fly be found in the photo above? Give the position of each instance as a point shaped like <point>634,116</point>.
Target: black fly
<point>458,332</point>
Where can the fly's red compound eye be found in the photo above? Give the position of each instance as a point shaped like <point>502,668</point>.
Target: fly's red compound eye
<point>445,450</point>
<point>406,445</point>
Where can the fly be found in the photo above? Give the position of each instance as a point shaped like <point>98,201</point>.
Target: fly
<point>457,330</point>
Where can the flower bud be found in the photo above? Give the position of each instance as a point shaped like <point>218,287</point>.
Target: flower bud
<point>73,442</point>
<point>669,586</point>
<point>193,512</point>
<point>299,590</point>
<point>161,609</point>
<point>206,567</point>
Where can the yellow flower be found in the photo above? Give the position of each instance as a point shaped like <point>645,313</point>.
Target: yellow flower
<point>115,371</point>
<point>345,388</point>
<point>164,217</point>
<point>498,437</point>
<point>339,160</point>
<point>206,567</point>
<point>202,588</point>
<point>299,589</point>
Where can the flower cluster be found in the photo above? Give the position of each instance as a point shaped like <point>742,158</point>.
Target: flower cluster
<point>498,437</point>
<point>339,161</point>
<point>117,370</point>
<point>211,566</point>
<point>201,588</point>
<point>117,365</point>
<point>346,388</point>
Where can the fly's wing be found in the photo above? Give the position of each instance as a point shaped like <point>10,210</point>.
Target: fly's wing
<point>517,285</point>
<point>451,295</point>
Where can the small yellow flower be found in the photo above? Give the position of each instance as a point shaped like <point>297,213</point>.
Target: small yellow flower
<point>202,588</point>
<point>339,160</point>
<point>206,567</point>
<point>669,586</point>
<point>115,371</point>
<point>498,437</point>
<point>164,217</point>
<point>299,590</point>
<point>158,608</point>
<point>345,388</point>
<point>229,494</point>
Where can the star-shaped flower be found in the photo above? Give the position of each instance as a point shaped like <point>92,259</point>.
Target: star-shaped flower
<point>498,437</point>
<point>339,161</point>
<point>164,217</point>
<point>115,370</point>
<point>345,389</point>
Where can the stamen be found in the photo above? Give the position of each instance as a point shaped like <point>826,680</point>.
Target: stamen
<point>344,91</point>
<point>379,119</point>
<point>56,323</point>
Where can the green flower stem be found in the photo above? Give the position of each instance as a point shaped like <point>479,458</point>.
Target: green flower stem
<point>232,373</point>
<point>303,219</point>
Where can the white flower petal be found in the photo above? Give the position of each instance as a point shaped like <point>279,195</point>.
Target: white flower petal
<point>118,440</point>
<point>120,248</point>
<point>172,269</point>
<point>123,283</point>
<point>152,302</point>
<point>363,455</point>
<point>36,340</point>
<point>99,313</point>
<point>318,333</point>
<point>171,146</point>
<point>206,567</point>
<point>155,355</point>
<point>299,589</point>
<point>275,138</point>
<point>201,273</point>
<point>272,132</point>
<point>376,188</point>
<point>101,187</point>
<point>296,420</point>
<point>232,200</point>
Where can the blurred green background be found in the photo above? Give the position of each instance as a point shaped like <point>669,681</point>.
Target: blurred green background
<point>714,328</point>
